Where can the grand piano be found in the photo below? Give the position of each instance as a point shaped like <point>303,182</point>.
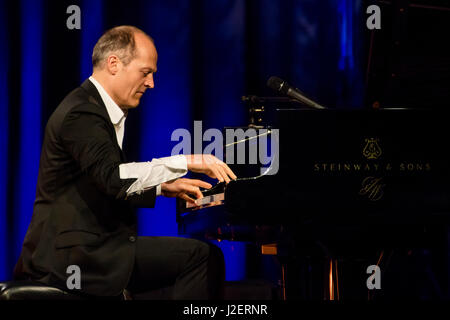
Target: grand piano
<point>347,183</point>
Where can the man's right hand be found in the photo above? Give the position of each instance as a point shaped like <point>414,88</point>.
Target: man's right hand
<point>211,166</point>
<point>184,189</point>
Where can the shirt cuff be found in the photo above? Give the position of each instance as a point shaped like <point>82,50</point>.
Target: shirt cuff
<point>153,173</point>
<point>158,190</point>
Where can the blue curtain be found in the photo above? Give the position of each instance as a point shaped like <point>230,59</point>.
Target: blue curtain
<point>92,29</point>
<point>4,142</point>
<point>168,107</point>
<point>210,54</point>
<point>30,131</point>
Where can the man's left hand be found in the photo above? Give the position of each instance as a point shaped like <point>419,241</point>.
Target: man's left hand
<point>184,189</point>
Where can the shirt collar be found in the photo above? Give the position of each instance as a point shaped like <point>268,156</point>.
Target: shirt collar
<point>115,113</point>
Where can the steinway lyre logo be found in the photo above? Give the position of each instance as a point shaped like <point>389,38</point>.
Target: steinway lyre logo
<point>372,187</point>
<point>372,149</point>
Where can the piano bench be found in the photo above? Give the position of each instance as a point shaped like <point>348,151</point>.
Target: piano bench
<point>31,290</point>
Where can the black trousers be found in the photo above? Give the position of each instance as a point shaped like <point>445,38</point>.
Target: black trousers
<point>177,268</point>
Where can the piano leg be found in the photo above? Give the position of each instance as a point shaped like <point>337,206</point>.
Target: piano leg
<point>272,249</point>
<point>283,281</point>
<point>294,277</point>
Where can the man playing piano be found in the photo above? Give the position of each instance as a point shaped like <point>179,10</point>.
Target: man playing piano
<point>82,213</point>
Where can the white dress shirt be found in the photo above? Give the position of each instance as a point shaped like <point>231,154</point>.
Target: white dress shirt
<point>148,174</point>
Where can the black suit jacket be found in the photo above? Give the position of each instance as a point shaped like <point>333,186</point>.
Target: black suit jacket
<point>81,215</point>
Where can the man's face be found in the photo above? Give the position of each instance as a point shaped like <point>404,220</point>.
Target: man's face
<point>132,80</point>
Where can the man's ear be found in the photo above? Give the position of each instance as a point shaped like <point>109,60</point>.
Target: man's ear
<point>112,64</point>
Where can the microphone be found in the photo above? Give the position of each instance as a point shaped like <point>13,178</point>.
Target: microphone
<point>282,86</point>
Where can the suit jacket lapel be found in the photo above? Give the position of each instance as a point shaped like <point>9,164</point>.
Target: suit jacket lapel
<point>95,98</point>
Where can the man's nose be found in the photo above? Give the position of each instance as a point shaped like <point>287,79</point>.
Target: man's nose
<point>149,83</point>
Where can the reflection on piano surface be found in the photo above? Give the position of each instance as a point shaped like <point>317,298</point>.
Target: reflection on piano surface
<point>352,181</point>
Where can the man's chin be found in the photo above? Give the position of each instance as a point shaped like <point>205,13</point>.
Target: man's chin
<point>132,105</point>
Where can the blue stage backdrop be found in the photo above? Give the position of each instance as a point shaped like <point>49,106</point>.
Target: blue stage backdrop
<point>4,140</point>
<point>211,52</point>
<point>29,124</point>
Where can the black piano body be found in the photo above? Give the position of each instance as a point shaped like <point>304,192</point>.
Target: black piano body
<point>355,180</point>
<point>349,165</point>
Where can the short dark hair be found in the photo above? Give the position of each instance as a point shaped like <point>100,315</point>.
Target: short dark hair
<point>118,40</point>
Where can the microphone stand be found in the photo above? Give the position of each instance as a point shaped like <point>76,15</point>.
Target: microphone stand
<point>257,107</point>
